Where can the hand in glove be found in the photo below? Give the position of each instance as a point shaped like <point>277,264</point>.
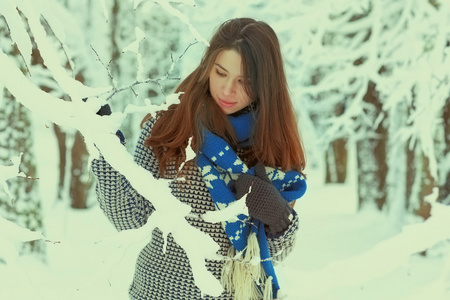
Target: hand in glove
<point>264,202</point>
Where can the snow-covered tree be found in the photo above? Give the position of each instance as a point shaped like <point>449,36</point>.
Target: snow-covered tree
<point>376,73</point>
<point>73,157</point>
<point>160,48</point>
<point>146,37</point>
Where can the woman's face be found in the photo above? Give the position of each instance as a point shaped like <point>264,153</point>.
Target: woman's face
<point>226,82</point>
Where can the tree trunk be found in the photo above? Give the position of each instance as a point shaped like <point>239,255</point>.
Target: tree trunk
<point>79,185</point>
<point>336,156</point>
<point>371,155</point>
<point>444,188</point>
<point>410,174</point>
<point>62,150</point>
<point>427,183</point>
<point>420,183</point>
<point>336,162</point>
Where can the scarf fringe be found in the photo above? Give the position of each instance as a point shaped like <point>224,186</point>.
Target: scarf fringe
<point>243,274</point>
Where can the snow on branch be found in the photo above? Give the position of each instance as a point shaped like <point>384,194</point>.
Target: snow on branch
<point>9,172</point>
<point>399,46</point>
<point>10,235</point>
<point>165,4</point>
<point>134,48</point>
<point>167,76</point>
<point>75,89</point>
<point>17,31</point>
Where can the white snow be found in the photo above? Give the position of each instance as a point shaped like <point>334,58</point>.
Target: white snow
<point>340,253</point>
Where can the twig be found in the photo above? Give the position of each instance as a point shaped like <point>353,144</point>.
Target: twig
<point>134,92</point>
<point>106,67</point>
<point>157,81</point>
<point>182,54</point>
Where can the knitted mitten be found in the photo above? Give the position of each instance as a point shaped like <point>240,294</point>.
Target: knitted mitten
<point>264,202</point>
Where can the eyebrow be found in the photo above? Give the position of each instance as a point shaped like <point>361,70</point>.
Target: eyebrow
<point>221,67</point>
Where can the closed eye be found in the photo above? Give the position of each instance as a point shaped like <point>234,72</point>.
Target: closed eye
<point>221,74</point>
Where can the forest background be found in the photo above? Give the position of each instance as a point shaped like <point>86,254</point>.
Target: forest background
<point>369,82</point>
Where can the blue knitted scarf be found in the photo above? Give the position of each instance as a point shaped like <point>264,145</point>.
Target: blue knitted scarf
<point>220,167</point>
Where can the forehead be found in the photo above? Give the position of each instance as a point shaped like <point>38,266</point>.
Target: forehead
<point>230,61</point>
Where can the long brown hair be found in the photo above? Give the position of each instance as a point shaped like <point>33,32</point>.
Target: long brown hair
<point>275,139</point>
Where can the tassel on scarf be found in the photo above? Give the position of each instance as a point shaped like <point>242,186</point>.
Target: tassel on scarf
<point>244,275</point>
<point>268,291</point>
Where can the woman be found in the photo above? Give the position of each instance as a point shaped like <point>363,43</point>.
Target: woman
<point>236,107</point>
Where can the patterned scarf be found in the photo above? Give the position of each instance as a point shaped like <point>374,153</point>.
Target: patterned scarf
<point>220,167</point>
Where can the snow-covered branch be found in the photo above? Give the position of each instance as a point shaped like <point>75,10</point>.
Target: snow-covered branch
<point>170,213</point>
<point>33,10</point>
<point>10,235</point>
<point>399,46</point>
<point>167,76</point>
<point>166,5</point>
<point>9,172</point>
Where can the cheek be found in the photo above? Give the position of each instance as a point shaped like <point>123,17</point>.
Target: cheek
<point>212,83</point>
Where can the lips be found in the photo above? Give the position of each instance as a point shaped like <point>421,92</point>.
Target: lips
<point>226,103</point>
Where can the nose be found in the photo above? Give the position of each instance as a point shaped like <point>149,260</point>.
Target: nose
<point>229,87</point>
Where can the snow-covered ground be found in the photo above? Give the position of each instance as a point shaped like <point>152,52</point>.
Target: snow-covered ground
<point>335,257</point>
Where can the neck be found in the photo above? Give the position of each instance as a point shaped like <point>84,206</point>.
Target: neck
<point>243,127</point>
<point>247,109</point>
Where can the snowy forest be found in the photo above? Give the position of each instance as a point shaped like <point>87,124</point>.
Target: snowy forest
<point>370,84</point>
